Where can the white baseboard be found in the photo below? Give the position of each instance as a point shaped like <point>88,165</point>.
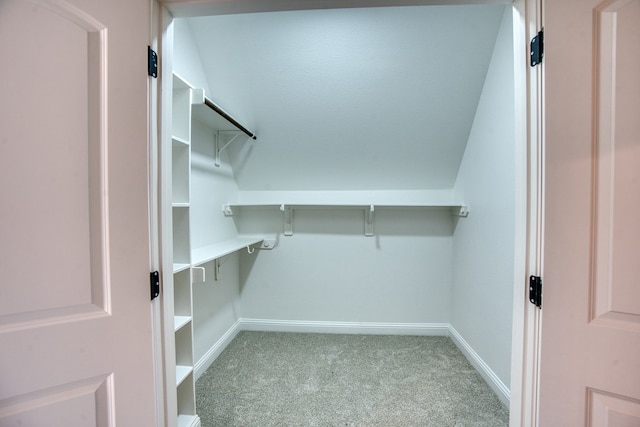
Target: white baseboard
<point>498,387</point>
<point>372,328</point>
<point>212,354</point>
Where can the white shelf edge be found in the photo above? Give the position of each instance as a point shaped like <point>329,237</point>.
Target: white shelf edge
<point>180,205</point>
<point>180,82</point>
<point>180,321</point>
<point>188,420</point>
<point>217,250</point>
<point>178,141</point>
<point>178,267</point>
<point>348,205</point>
<point>182,372</point>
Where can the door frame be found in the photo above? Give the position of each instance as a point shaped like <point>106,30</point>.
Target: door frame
<point>527,318</point>
<point>529,109</point>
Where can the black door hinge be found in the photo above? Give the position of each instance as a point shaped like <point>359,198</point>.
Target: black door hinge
<point>155,284</point>
<point>537,48</point>
<point>535,291</point>
<point>152,62</point>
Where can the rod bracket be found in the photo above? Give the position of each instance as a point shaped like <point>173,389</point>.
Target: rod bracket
<point>217,143</point>
<point>288,219</point>
<point>368,221</point>
<point>227,210</point>
<point>460,211</point>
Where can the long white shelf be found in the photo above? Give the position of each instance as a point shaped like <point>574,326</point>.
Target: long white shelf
<point>367,201</point>
<point>298,205</point>
<point>348,198</point>
<point>217,250</point>
<point>179,142</point>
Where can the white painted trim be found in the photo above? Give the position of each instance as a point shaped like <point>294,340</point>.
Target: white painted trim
<point>527,324</point>
<point>526,321</point>
<point>212,354</point>
<point>498,387</point>
<point>371,328</point>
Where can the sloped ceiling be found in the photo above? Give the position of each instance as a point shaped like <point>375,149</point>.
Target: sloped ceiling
<point>349,99</point>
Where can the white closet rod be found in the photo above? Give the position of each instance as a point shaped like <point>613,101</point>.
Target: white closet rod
<point>230,119</point>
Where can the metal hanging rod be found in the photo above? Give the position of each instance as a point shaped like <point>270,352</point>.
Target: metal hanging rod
<point>230,119</point>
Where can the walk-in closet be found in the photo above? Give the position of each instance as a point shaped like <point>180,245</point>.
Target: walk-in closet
<point>350,171</point>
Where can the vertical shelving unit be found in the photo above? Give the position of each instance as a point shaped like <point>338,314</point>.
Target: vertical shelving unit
<point>188,103</point>
<point>181,251</point>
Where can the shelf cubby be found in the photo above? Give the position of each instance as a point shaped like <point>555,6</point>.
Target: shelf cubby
<point>180,219</point>
<point>180,174</point>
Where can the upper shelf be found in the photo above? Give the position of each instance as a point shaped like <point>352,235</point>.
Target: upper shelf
<point>354,199</point>
<point>368,201</point>
<point>212,114</point>
<point>203,109</point>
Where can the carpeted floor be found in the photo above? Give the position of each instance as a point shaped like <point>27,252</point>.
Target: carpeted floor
<point>286,379</point>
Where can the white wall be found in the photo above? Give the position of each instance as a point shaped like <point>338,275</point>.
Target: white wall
<point>483,243</point>
<point>356,99</point>
<point>186,58</point>
<point>214,302</point>
<point>328,270</point>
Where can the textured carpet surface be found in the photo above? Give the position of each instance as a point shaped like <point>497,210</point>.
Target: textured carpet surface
<point>289,379</point>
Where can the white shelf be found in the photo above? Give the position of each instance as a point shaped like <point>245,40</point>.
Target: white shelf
<point>209,117</point>
<point>331,205</point>
<point>181,205</point>
<point>188,420</point>
<point>180,321</point>
<point>368,202</point>
<point>218,250</point>
<point>348,198</point>
<point>178,267</point>
<point>179,142</point>
<point>358,199</point>
<point>182,372</point>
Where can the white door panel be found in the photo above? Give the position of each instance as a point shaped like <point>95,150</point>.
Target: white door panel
<point>590,363</point>
<point>74,299</point>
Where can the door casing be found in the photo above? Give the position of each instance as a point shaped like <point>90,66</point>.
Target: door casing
<point>526,324</point>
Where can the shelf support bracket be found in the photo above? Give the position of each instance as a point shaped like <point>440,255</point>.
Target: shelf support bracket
<point>462,211</point>
<point>216,269</point>
<point>198,275</point>
<point>227,210</point>
<point>216,143</point>
<point>368,221</point>
<point>288,220</point>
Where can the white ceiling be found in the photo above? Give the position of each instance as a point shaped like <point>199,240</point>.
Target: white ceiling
<point>349,99</point>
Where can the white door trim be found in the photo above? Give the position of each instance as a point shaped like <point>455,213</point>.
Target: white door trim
<point>155,233</point>
<point>529,225</point>
<point>527,318</point>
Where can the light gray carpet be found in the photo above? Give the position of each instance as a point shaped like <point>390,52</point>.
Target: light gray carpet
<point>286,379</point>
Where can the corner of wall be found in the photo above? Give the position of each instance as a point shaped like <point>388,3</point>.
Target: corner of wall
<point>484,243</point>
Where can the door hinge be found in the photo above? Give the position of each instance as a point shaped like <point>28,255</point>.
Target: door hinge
<point>535,291</point>
<point>537,48</point>
<point>152,62</point>
<point>155,284</point>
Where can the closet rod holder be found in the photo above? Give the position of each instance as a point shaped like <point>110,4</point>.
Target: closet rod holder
<point>230,119</point>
